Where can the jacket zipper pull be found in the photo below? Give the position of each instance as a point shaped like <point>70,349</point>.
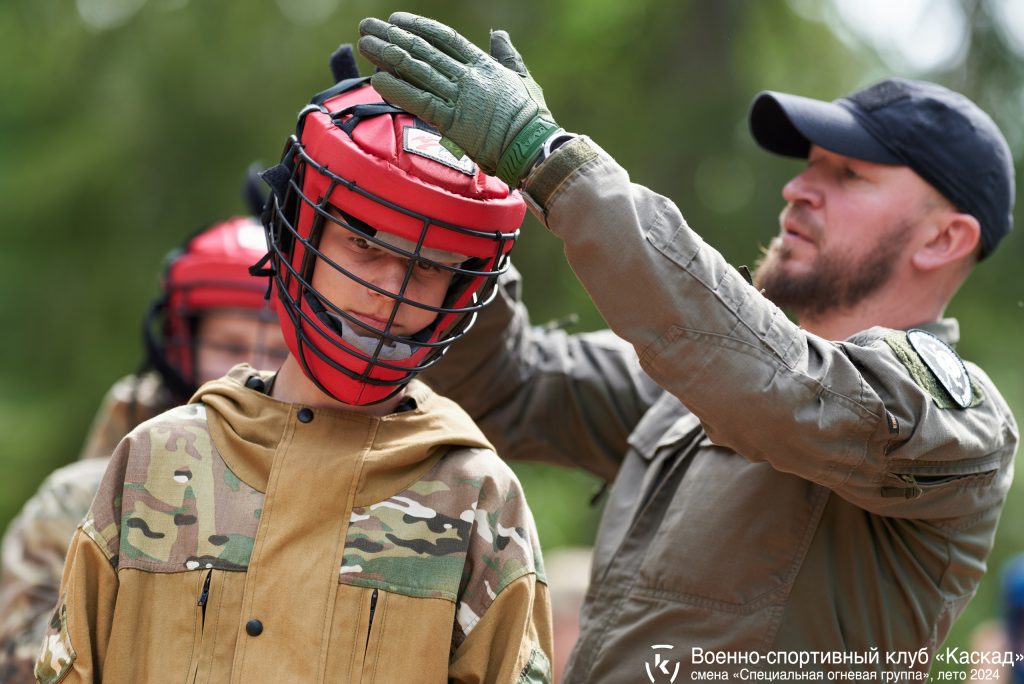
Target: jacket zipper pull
<point>205,594</point>
<point>911,491</point>
<point>373,607</point>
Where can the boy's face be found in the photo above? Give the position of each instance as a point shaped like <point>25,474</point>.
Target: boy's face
<point>225,338</point>
<point>384,269</point>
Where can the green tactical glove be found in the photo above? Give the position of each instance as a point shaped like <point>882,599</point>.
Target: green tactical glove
<point>487,104</point>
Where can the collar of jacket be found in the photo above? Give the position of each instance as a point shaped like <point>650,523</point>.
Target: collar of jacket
<point>248,426</point>
<point>946,329</point>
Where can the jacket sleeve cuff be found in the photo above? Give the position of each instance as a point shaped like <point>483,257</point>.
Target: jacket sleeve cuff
<point>544,182</point>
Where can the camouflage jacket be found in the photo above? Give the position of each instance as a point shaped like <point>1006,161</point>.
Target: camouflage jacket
<point>37,538</point>
<point>243,539</point>
<point>132,400</point>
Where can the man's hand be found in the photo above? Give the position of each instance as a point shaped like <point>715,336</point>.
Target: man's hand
<point>487,104</point>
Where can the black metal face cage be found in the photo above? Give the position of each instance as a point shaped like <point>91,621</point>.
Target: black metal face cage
<point>282,236</point>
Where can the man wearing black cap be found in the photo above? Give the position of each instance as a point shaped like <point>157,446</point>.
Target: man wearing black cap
<point>785,499</point>
<point>893,141</point>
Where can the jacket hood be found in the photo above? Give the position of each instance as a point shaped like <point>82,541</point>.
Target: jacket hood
<point>247,427</point>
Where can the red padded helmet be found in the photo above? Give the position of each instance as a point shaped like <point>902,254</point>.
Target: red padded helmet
<point>209,272</point>
<point>367,167</point>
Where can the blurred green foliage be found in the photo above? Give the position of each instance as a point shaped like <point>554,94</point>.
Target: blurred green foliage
<point>127,124</point>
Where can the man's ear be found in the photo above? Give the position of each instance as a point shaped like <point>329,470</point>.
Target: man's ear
<point>958,236</point>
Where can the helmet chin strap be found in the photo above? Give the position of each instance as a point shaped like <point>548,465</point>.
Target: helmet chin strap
<point>389,351</point>
<point>156,353</point>
<point>366,343</point>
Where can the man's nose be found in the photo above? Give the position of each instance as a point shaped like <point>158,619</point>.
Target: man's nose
<point>802,188</point>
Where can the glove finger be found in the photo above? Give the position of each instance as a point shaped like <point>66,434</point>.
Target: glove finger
<point>413,100</point>
<point>442,37</point>
<point>413,44</point>
<point>506,54</point>
<point>396,61</point>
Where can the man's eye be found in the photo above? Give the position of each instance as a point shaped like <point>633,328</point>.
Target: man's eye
<point>850,174</point>
<point>424,266</point>
<point>360,243</point>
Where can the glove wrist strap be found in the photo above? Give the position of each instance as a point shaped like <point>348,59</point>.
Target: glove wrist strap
<point>518,157</point>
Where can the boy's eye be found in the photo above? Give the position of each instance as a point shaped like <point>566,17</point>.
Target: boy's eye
<point>240,349</point>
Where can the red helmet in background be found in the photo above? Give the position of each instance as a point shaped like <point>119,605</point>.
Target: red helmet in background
<point>210,272</point>
<point>360,164</point>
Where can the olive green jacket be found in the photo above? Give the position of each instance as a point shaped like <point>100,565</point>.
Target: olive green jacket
<point>780,501</point>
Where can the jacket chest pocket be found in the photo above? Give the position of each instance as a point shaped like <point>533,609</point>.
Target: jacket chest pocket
<point>218,597</point>
<point>201,646</point>
<point>661,439</point>
<point>733,533</point>
<point>380,636</point>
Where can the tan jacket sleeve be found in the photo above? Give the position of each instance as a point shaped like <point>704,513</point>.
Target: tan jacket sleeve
<point>512,642</point>
<point>760,385</point>
<point>77,635</point>
<point>540,394</point>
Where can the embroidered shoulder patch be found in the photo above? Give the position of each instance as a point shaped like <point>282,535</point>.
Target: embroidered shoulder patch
<point>428,143</point>
<point>936,367</point>
<point>944,363</point>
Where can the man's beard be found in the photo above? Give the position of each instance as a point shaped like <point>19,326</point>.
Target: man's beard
<point>835,282</point>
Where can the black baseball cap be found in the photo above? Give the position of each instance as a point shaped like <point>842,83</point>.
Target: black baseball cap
<point>943,136</point>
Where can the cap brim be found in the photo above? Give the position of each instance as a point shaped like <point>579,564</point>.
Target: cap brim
<point>788,125</point>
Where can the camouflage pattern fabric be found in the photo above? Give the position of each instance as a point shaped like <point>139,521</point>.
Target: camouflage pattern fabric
<point>37,539</point>
<point>451,535</point>
<point>33,560</point>
<point>132,400</point>
<point>57,653</point>
<point>179,507</point>
<point>537,669</point>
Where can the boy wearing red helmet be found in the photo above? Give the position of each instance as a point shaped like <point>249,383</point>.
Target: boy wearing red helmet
<point>335,521</point>
<point>209,316</point>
